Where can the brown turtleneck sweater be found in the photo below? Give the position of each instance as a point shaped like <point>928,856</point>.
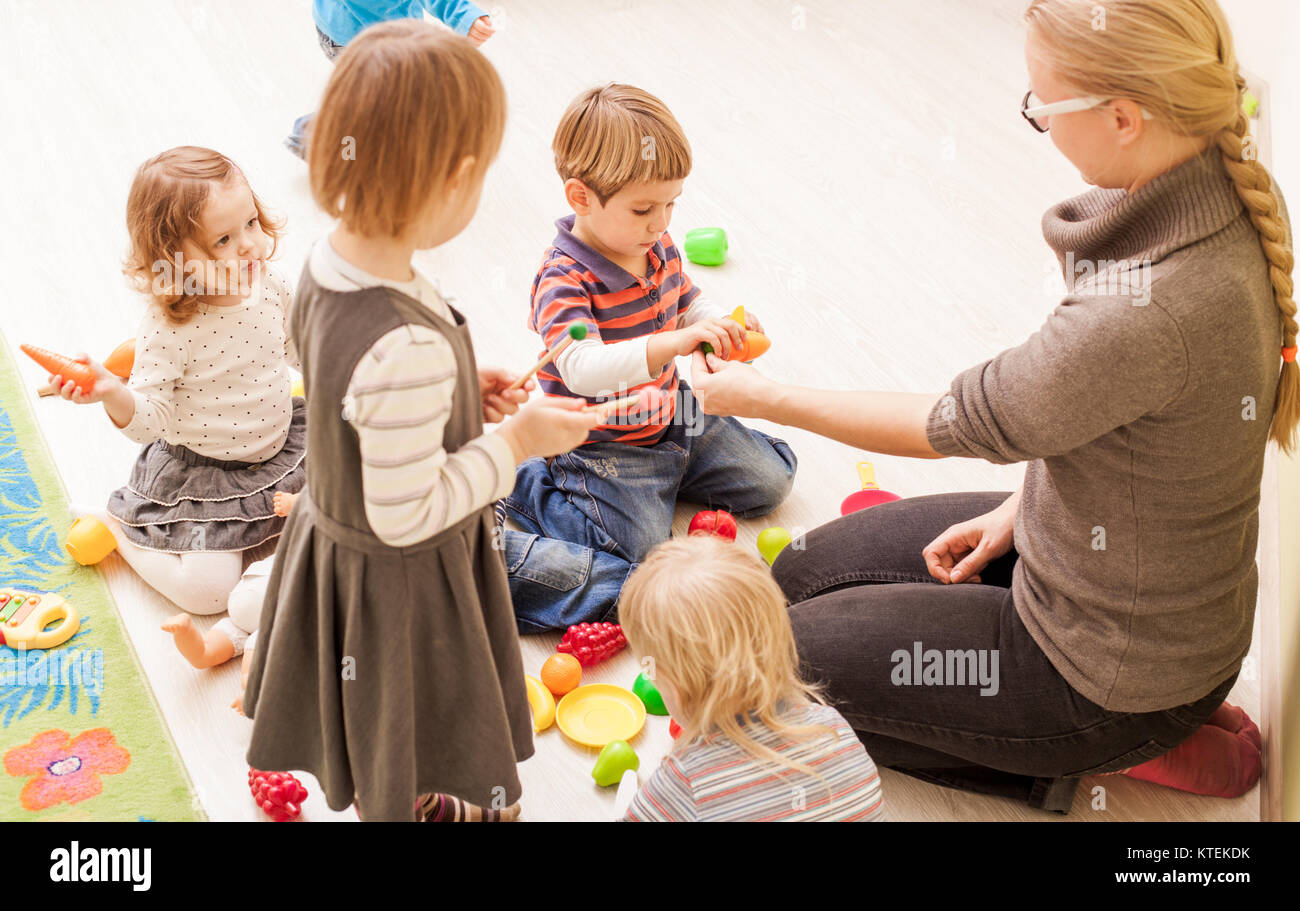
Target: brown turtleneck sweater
<point>1142,406</point>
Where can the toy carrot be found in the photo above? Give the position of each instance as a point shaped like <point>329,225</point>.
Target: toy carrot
<point>60,365</point>
<point>756,343</point>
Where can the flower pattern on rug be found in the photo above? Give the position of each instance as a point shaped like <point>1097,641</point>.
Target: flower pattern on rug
<point>65,769</point>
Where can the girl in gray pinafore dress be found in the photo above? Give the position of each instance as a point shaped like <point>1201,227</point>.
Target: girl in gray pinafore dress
<point>386,672</point>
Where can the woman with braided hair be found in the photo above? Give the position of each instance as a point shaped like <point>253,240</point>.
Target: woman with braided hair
<point>1093,621</point>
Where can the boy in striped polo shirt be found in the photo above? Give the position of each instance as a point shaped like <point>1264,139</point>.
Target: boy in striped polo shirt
<point>613,267</point>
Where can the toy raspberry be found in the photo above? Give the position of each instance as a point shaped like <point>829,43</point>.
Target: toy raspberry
<point>592,643</point>
<point>279,794</point>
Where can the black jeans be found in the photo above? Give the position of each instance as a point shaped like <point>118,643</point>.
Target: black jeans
<point>861,599</point>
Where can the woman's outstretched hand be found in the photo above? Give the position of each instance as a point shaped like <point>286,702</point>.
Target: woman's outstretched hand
<point>972,545</point>
<point>728,388</point>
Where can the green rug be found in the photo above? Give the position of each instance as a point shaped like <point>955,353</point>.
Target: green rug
<point>80,733</point>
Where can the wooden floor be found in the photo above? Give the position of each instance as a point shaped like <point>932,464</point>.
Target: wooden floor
<point>881,193</point>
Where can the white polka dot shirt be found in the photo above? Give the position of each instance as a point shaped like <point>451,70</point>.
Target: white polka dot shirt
<point>219,383</point>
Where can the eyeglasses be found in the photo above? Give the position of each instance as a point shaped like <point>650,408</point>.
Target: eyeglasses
<point>1069,106</point>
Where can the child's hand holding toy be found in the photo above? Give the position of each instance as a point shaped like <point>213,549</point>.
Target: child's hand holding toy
<point>499,399</point>
<point>85,382</point>
<point>724,335</point>
<point>549,426</point>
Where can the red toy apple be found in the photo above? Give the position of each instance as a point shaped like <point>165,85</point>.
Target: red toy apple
<point>713,522</point>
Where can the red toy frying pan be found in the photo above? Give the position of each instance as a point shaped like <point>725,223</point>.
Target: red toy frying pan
<point>869,495</point>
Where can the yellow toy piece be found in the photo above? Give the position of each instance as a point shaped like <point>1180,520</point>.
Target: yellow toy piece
<point>541,702</point>
<point>89,541</point>
<point>24,616</point>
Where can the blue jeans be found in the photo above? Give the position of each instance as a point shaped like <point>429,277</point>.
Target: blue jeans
<point>619,499</point>
<point>297,139</point>
<point>555,584</point>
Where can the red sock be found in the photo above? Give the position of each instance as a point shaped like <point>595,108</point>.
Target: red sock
<point>1222,759</point>
<point>1236,721</point>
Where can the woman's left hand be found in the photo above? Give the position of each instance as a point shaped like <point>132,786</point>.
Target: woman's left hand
<point>497,402</point>
<point>728,388</point>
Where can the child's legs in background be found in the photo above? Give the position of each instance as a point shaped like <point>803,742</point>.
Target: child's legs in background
<point>297,141</point>
<point>731,466</point>
<point>555,584</point>
<point>608,496</point>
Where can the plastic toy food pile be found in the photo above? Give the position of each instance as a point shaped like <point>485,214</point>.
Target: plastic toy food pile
<point>592,643</point>
<point>279,794</point>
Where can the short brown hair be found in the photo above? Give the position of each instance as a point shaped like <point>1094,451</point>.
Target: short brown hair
<point>614,135</point>
<point>406,103</point>
<point>162,211</point>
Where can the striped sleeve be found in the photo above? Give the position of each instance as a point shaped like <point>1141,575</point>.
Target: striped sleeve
<point>666,797</point>
<point>400,397</point>
<point>589,367</point>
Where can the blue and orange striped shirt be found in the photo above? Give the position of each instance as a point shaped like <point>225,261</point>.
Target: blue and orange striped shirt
<point>712,779</point>
<point>577,284</point>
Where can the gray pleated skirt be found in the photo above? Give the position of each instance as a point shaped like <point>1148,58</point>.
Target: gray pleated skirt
<point>178,501</point>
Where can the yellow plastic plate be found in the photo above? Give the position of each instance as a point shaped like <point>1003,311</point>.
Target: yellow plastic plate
<point>595,714</point>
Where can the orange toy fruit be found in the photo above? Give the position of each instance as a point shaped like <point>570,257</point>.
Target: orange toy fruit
<point>120,361</point>
<point>561,673</point>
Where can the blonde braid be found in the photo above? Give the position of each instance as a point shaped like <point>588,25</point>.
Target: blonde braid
<point>1254,187</point>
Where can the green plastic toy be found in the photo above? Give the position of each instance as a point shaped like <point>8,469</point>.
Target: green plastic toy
<point>616,758</point>
<point>706,246</point>
<point>771,541</point>
<point>648,693</point>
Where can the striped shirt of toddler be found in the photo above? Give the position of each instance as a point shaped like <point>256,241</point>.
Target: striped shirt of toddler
<point>400,394</point>
<point>713,780</point>
<point>576,284</point>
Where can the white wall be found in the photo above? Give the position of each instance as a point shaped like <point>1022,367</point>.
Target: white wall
<point>1267,34</point>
